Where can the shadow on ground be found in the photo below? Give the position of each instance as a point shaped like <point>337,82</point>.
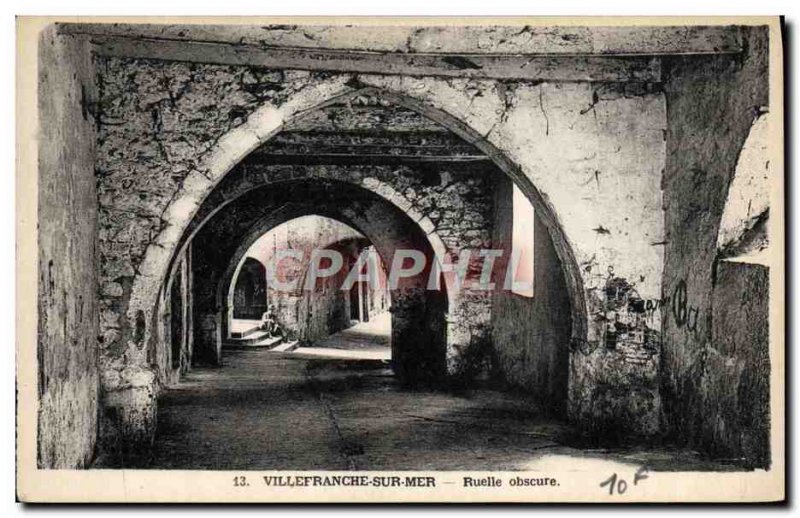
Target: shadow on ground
<point>278,411</point>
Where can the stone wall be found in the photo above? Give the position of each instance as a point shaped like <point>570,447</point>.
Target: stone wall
<point>712,103</point>
<point>67,240</point>
<point>313,315</point>
<point>603,179</point>
<point>326,309</point>
<point>157,120</point>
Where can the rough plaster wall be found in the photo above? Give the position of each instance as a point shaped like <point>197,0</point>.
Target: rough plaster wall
<point>595,151</point>
<point>530,336</point>
<point>68,315</point>
<point>744,219</point>
<point>603,178</point>
<point>324,311</point>
<point>738,410</point>
<point>712,103</point>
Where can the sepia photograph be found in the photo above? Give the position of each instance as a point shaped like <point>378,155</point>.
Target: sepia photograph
<point>400,260</point>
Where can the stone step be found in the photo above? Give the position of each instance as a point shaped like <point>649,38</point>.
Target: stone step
<point>286,347</point>
<point>260,340</point>
<point>246,333</point>
<point>252,338</point>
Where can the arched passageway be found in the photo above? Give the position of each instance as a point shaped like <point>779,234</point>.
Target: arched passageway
<point>158,143</point>
<point>357,294</point>
<point>309,305</point>
<point>404,177</point>
<point>446,190</point>
<point>217,250</point>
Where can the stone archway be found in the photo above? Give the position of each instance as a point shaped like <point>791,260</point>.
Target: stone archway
<point>348,246</point>
<point>385,189</point>
<point>220,245</point>
<point>613,146</point>
<point>268,121</point>
<point>179,222</point>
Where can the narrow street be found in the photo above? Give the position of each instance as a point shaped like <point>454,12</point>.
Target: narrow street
<point>302,410</point>
<point>267,410</point>
<point>365,340</point>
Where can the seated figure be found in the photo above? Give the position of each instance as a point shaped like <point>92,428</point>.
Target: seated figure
<point>269,322</point>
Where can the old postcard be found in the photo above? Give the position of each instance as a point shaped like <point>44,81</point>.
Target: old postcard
<point>400,260</point>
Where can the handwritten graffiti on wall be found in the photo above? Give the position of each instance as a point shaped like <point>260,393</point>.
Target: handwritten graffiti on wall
<point>626,315</point>
<point>678,306</point>
<point>684,313</point>
<point>627,318</point>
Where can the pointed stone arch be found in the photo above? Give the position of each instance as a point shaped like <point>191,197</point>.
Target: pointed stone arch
<point>447,105</point>
<point>268,120</point>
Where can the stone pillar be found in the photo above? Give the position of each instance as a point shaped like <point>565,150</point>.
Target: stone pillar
<point>129,415</point>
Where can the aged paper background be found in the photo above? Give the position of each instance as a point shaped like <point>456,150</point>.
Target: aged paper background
<point>579,479</point>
